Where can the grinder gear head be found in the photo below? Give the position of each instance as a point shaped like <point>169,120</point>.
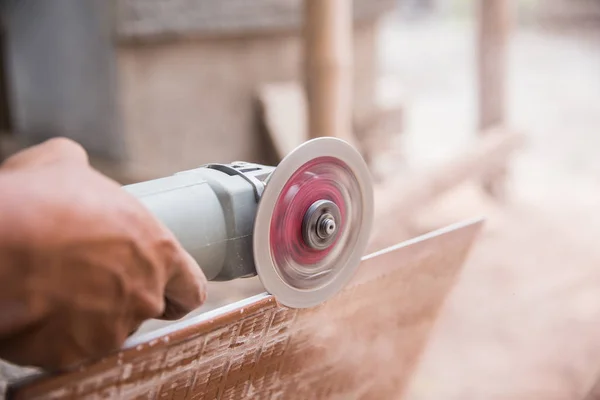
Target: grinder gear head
<point>313,222</point>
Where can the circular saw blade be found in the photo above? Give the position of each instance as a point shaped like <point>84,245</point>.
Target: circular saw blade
<point>320,169</point>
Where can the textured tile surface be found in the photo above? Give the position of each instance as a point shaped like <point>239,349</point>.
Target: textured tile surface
<point>363,343</point>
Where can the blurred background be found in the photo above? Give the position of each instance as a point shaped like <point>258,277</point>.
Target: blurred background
<point>154,87</point>
<point>438,93</point>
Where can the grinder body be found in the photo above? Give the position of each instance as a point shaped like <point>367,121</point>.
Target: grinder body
<point>302,227</point>
<point>211,211</point>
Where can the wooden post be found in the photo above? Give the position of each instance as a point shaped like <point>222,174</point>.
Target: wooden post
<point>328,67</point>
<point>494,18</point>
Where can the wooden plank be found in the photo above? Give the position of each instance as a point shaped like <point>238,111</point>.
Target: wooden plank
<point>363,343</point>
<point>284,114</point>
<point>328,67</point>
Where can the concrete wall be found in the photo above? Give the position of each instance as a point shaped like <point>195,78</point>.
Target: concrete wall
<point>159,86</point>
<point>188,102</point>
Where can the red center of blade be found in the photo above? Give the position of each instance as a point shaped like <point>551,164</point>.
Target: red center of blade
<point>315,180</point>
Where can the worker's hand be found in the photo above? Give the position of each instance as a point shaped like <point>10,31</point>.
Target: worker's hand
<point>82,262</point>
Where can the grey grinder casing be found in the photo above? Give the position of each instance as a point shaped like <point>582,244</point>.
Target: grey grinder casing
<point>211,212</point>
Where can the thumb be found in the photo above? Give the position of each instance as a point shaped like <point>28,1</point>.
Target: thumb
<point>52,151</point>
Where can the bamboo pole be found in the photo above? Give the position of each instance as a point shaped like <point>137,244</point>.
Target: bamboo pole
<point>328,67</point>
<point>494,20</point>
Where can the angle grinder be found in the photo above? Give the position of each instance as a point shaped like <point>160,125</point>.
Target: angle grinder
<point>301,226</point>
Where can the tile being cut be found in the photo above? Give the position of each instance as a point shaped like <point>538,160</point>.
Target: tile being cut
<point>363,343</point>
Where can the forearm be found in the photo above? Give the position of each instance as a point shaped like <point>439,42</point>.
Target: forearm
<point>15,303</point>
<point>8,207</point>
<point>26,308</point>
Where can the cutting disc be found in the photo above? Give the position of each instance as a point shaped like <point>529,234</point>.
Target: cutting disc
<point>313,222</point>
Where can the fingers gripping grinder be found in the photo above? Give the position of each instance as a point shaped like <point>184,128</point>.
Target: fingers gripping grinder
<point>302,226</point>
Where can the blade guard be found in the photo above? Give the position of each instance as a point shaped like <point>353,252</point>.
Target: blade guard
<point>297,274</point>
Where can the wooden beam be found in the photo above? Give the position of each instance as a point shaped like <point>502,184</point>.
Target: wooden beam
<point>328,67</point>
<point>365,342</point>
<point>398,198</point>
<point>494,20</point>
